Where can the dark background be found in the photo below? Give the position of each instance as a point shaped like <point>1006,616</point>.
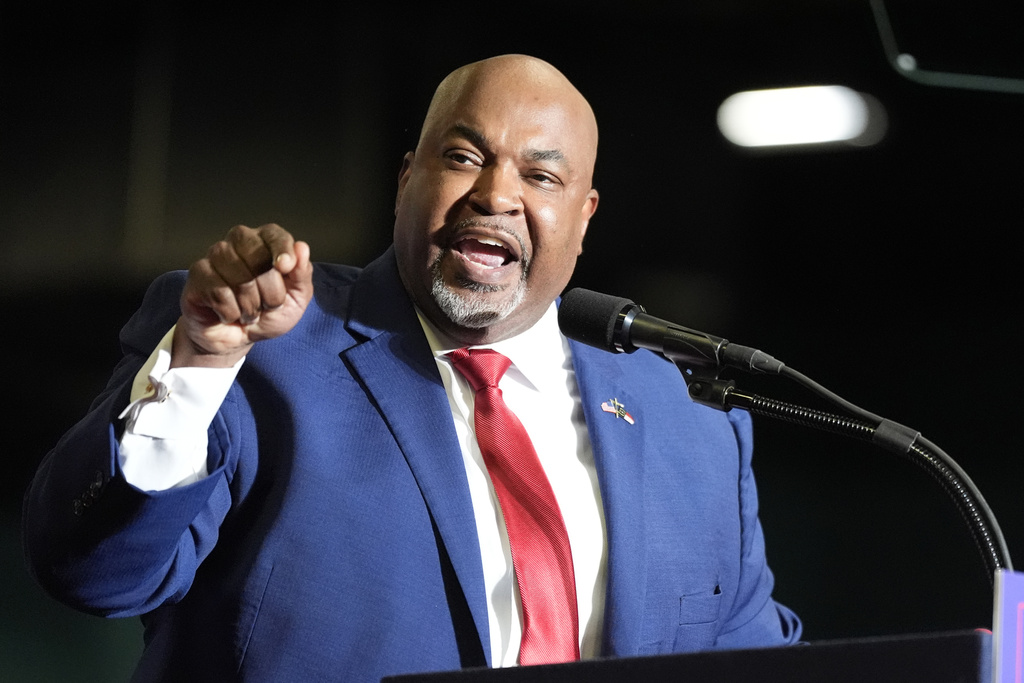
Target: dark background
<point>132,137</point>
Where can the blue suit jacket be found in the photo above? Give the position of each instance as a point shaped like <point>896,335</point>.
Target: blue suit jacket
<point>334,538</point>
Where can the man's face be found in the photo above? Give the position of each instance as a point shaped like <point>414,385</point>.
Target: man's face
<point>493,206</point>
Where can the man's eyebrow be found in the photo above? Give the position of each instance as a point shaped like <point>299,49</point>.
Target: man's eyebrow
<point>471,134</point>
<point>545,155</point>
<point>480,140</point>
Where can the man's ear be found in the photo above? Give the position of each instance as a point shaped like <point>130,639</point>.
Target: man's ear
<point>403,177</point>
<point>586,211</point>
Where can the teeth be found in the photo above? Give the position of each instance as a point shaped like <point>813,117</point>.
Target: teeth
<point>493,243</point>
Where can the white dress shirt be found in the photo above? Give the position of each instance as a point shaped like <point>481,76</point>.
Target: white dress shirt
<point>540,388</point>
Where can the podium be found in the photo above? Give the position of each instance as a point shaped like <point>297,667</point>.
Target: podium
<point>956,657</point>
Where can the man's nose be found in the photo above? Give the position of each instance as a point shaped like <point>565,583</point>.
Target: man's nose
<point>497,190</point>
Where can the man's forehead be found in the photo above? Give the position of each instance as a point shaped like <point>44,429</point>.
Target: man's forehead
<point>521,100</point>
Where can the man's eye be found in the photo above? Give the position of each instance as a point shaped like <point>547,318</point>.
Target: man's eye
<point>460,158</point>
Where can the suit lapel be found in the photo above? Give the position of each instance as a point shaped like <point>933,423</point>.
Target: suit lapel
<point>397,368</point>
<point>619,449</point>
<point>395,364</point>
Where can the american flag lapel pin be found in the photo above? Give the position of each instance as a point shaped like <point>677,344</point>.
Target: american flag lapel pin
<point>617,409</point>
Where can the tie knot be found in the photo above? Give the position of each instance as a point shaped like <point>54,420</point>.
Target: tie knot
<point>482,367</point>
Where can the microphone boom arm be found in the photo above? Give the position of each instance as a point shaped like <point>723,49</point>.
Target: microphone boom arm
<point>886,434</point>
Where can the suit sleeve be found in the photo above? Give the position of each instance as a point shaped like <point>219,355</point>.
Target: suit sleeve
<point>94,541</point>
<point>756,619</point>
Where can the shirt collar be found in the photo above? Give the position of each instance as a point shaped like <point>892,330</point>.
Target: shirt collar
<point>538,353</point>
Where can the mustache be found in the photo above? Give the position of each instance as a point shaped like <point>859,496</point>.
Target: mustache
<point>498,225</point>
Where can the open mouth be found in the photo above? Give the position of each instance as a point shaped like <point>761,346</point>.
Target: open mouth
<point>484,251</point>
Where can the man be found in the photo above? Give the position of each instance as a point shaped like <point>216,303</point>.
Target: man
<point>333,515</point>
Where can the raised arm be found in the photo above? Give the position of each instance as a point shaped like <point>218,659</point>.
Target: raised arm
<point>92,538</point>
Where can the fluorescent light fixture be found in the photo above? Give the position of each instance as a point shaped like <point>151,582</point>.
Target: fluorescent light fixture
<point>801,116</point>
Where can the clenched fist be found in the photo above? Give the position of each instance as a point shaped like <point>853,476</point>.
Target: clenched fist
<point>252,285</point>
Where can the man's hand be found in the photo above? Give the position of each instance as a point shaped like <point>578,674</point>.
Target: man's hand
<point>252,285</point>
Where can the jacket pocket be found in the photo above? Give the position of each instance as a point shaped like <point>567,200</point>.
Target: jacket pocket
<point>698,620</point>
<point>694,622</point>
<point>701,607</point>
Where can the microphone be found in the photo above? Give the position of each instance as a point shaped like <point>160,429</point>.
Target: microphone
<point>618,325</point>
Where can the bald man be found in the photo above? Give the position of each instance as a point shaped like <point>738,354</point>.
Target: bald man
<point>285,479</point>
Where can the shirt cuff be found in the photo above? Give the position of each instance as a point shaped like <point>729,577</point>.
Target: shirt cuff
<point>165,439</point>
<point>168,403</point>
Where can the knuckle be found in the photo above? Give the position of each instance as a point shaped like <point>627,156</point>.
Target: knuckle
<point>238,231</point>
<point>247,294</point>
<point>219,250</point>
<point>249,302</point>
<point>220,297</point>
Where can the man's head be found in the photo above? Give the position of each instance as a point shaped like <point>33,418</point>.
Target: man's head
<point>493,205</point>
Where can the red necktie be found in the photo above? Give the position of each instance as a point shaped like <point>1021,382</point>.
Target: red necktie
<point>541,556</point>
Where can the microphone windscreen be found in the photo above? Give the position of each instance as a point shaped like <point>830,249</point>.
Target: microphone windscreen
<point>590,317</point>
